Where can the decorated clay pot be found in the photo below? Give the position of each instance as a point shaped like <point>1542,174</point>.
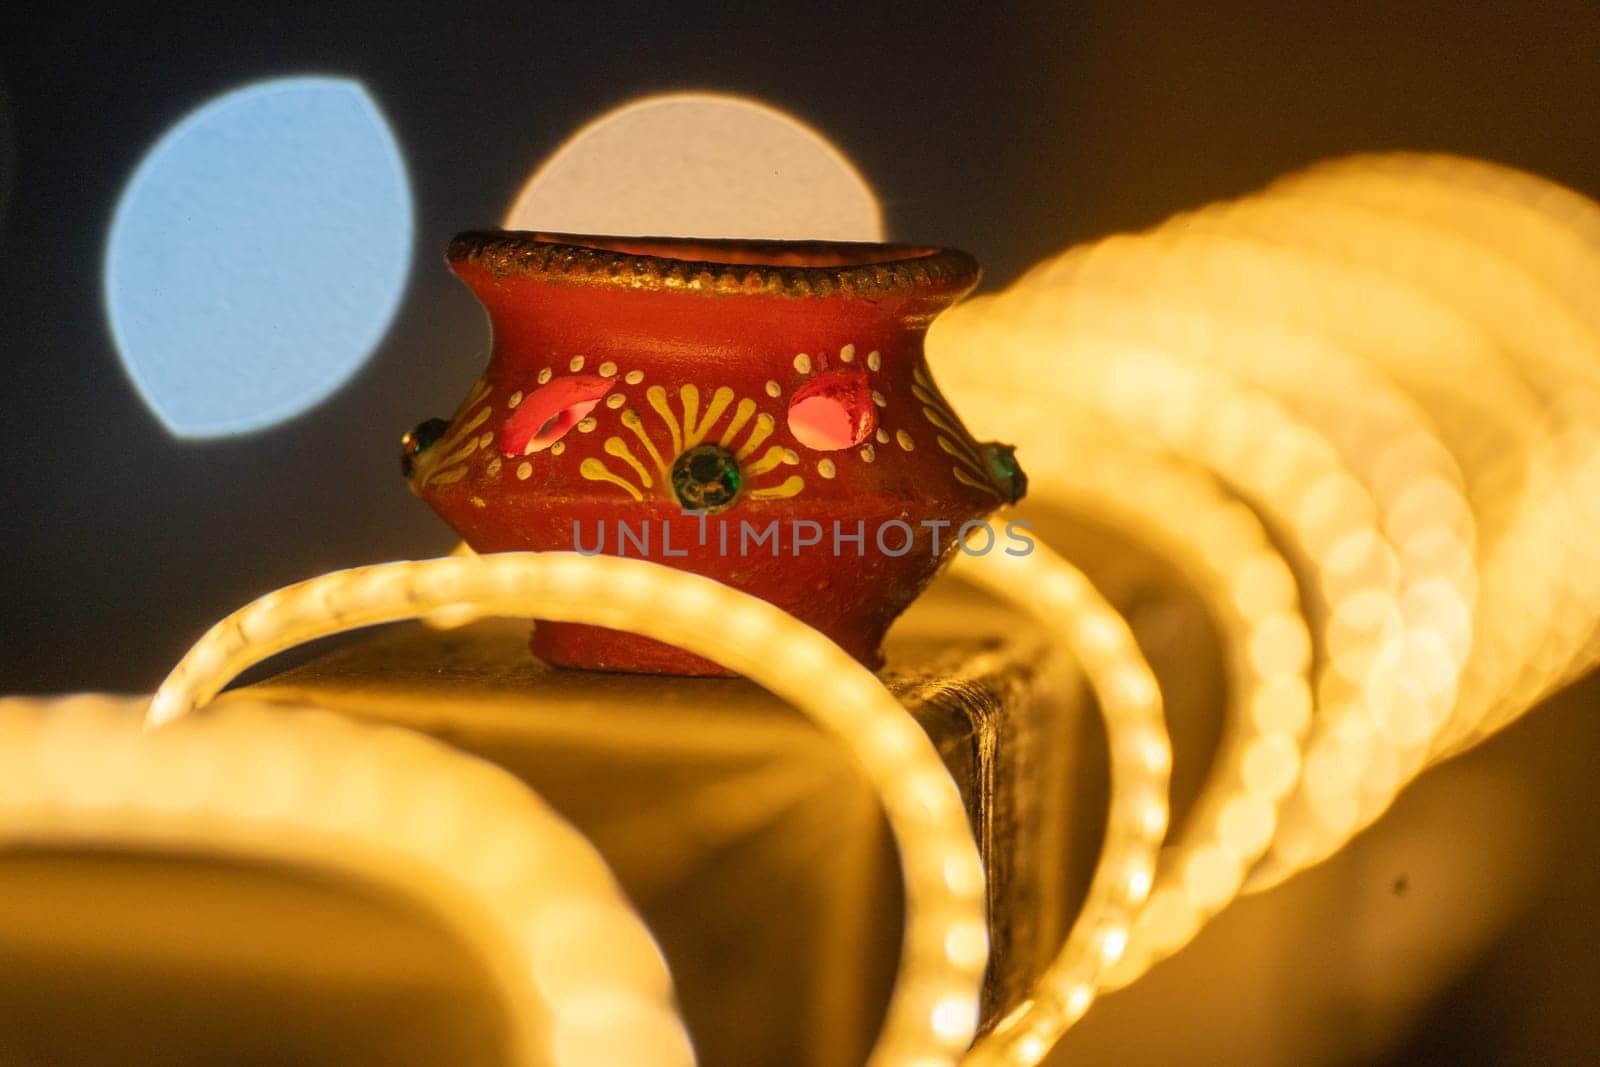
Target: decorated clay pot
<point>758,412</point>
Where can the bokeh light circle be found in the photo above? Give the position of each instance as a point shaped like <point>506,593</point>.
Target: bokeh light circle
<point>258,255</point>
<point>699,165</point>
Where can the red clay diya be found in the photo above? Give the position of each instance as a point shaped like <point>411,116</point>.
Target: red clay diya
<point>758,412</point>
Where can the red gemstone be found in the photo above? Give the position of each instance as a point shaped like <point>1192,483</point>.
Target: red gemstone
<point>545,416</point>
<point>833,411</point>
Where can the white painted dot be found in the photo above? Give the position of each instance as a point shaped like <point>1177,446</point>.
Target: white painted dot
<point>904,440</point>
<point>790,456</point>
<point>544,376</point>
<point>608,369</point>
<point>802,363</point>
<point>558,448</point>
<point>877,398</point>
<point>874,360</point>
<point>633,377</point>
<point>514,399</point>
<point>774,390</point>
<point>615,400</point>
<point>485,438</point>
<point>576,364</point>
<point>826,468</point>
<point>882,435</point>
<point>524,470</point>
<point>868,453</point>
<point>587,424</point>
<point>847,354</point>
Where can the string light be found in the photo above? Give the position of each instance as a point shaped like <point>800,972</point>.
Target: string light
<point>1431,320</point>
<point>1222,549</point>
<point>987,354</point>
<point>378,805</point>
<point>1181,295</point>
<point>933,1012</point>
<point>1067,605</point>
<point>1459,372</point>
<point>1511,251</point>
<point>1470,377</point>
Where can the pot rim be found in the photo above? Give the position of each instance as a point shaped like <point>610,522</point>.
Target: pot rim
<point>721,267</point>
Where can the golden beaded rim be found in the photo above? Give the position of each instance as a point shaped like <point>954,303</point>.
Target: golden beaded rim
<point>721,267</point>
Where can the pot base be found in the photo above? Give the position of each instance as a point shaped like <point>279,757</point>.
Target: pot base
<point>595,648</point>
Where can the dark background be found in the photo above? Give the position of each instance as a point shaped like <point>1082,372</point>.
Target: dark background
<point>1010,130</point>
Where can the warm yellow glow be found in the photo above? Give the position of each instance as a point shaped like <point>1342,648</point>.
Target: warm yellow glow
<point>699,165</point>
<point>1264,314</point>
<point>1358,411</point>
<point>324,793</point>
<point>1484,410</point>
<point>1222,549</point>
<point>1062,599</point>
<point>1395,361</point>
<point>1514,254</point>
<point>934,1008</point>
<point>988,355</point>
<point>1473,341</point>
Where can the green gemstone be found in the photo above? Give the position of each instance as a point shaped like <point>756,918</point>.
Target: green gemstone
<point>1008,476</point>
<point>706,478</point>
<point>418,440</point>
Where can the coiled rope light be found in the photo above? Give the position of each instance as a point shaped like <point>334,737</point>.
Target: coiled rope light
<point>1286,470</point>
<point>1510,252</point>
<point>933,1011</point>
<point>1485,411</point>
<point>1433,319</point>
<point>1220,547</point>
<point>381,806</point>
<point>1135,291</point>
<point>1129,701</point>
<point>1325,268</point>
<point>1262,312</point>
